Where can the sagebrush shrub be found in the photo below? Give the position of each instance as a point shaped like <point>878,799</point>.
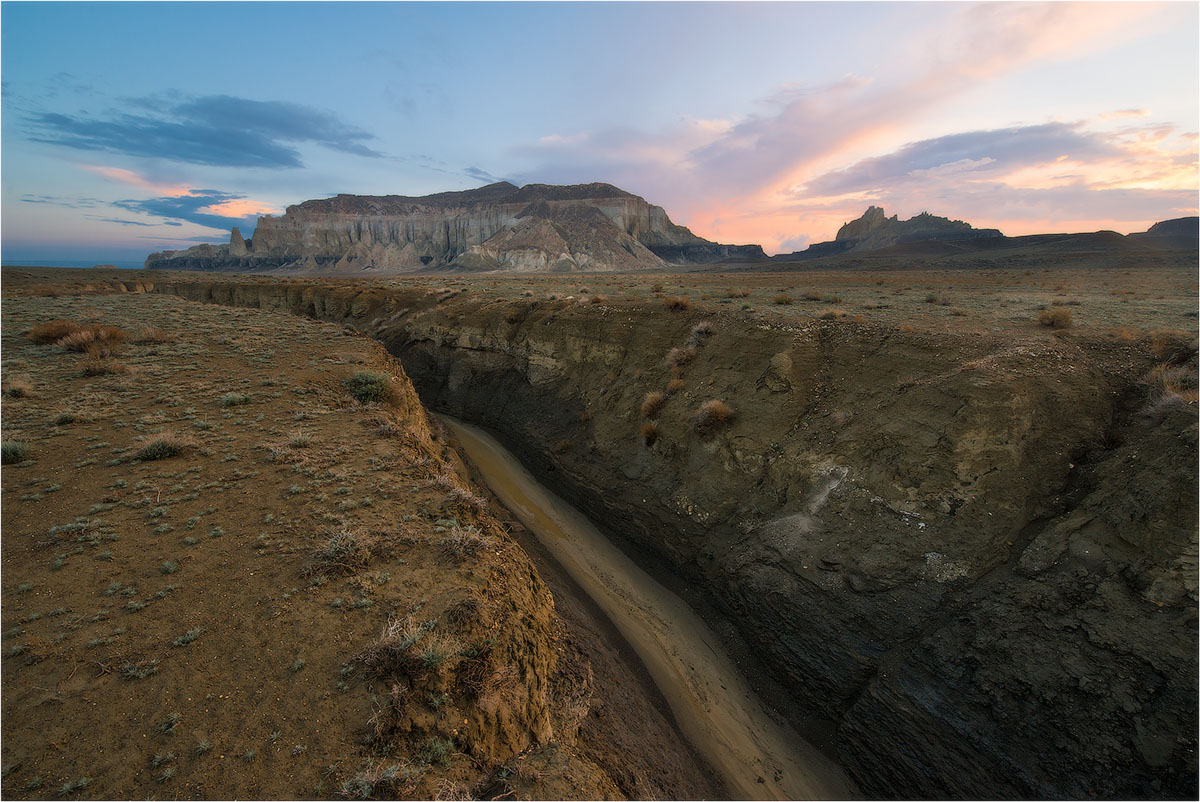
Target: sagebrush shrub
<point>369,387</point>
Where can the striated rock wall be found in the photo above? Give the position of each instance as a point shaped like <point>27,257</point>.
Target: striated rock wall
<point>977,559</point>
<point>538,227</point>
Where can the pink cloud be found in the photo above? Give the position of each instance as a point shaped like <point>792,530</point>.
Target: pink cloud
<point>736,180</point>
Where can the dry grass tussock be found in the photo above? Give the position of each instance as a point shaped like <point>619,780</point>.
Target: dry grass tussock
<point>347,550</point>
<point>649,433</point>
<point>1056,317</point>
<point>678,357</point>
<point>712,416</point>
<point>677,304</point>
<point>652,403</point>
<point>162,446</point>
<point>94,338</point>
<point>675,385</point>
<point>1172,384</point>
<point>18,387</point>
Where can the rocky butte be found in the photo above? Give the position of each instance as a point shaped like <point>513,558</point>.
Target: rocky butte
<point>499,227</point>
<point>876,230</point>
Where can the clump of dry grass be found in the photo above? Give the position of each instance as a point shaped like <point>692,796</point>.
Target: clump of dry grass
<point>783,299</point>
<point>738,293</point>
<point>1056,317</point>
<point>675,385</point>
<point>53,331</point>
<point>649,433</point>
<point>96,340</point>
<point>678,357</point>
<point>347,550</point>
<point>99,366</point>
<point>652,403</point>
<point>464,541</point>
<point>18,387</point>
<point>711,416</point>
<point>1172,345</point>
<point>1172,384</point>
<point>676,304</point>
<point>832,314</point>
<point>812,295</point>
<point>151,334</point>
<point>162,446</point>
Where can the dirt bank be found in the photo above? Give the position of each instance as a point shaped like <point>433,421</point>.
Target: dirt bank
<point>207,623</point>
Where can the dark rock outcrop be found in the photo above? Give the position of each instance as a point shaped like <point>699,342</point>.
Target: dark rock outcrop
<point>876,230</point>
<point>500,227</point>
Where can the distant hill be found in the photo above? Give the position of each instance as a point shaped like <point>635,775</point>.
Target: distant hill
<point>499,227</point>
<point>876,230</point>
<point>875,240</point>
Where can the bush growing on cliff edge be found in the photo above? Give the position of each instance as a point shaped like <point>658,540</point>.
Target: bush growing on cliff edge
<point>711,416</point>
<point>369,387</point>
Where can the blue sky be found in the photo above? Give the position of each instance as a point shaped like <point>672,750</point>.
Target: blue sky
<point>133,127</point>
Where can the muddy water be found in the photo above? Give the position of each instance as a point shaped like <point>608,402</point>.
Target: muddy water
<point>758,756</point>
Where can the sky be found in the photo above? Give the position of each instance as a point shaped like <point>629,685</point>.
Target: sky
<point>127,128</point>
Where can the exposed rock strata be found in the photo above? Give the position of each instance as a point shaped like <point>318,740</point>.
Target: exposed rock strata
<point>979,559</point>
<point>535,228</point>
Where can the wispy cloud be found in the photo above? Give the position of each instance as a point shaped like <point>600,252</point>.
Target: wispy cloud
<point>216,130</point>
<point>740,179</point>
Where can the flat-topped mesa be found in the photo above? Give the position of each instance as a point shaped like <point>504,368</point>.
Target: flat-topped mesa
<point>501,227</point>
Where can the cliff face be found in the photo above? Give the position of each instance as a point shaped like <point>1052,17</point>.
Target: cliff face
<point>538,227</point>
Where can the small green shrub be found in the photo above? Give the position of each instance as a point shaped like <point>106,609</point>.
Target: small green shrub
<point>234,400</point>
<point>13,451</point>
<point>369,387</point>
<point>163,446</point>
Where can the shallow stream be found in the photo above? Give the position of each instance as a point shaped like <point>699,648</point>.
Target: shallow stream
<point>757,755</point>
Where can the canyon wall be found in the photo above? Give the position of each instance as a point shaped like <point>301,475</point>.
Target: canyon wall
<point>977,558</point>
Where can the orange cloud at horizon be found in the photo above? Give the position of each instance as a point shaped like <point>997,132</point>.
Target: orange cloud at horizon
<point>239,207</point>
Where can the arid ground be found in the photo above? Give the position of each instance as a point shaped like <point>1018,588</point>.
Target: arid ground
<point>238,562</point>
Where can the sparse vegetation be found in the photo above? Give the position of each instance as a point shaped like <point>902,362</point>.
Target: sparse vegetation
<point>13,451</point>
<point>162,446</point>
<point>1056,317</point>
<point>370,387</point>
<point>678,357</point>
<point>652,403</point>
<point>783,299</point>
<point>711,417</point>
<point>649,433</point>
<point>676,304</point>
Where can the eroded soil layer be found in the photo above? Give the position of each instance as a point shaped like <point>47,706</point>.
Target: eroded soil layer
<point>206,534</point>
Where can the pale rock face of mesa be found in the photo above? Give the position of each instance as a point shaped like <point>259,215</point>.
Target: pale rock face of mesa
<point>499,227</point>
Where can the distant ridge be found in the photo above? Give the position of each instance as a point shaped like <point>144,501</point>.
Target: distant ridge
<point>876,230</point>
<point>498,227</point>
